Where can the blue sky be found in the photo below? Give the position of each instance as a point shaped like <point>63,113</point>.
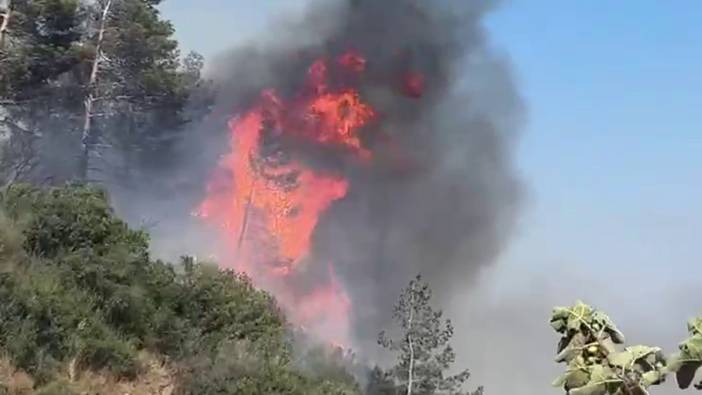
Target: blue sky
<point>611,153</point>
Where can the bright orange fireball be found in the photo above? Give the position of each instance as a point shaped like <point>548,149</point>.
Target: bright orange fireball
<point>267,202</point>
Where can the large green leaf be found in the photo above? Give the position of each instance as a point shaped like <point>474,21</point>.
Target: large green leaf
<point>576,378</point>
<point>578,315</point>
<point>631,355</point>
<point>686,363</point>
<point>692,348</point>
<point>602,320</point>
<point>573,349</point>
<point>559,319</point>
<point>652,377</point>
<point>599,377</point>
<point>641,352</point>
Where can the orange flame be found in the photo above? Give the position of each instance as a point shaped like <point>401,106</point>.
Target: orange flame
<point>267,202</point>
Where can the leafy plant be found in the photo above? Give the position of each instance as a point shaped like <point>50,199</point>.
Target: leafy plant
<point>598,364</point>
<point>688,360</point>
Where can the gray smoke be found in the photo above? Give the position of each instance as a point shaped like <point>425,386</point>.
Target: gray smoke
<point>446,208</point>
<point>451,215</point>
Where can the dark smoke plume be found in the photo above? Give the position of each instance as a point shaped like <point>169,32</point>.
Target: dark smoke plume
<point>441,199</point>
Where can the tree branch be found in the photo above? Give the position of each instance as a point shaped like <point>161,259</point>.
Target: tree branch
<point>4,25</point>
<point>89,99</point>
<point>410,373</point>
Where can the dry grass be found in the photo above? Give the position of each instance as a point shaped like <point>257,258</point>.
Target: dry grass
<point>15,381</point>
<point>11,240</point>
<point>157,379</point>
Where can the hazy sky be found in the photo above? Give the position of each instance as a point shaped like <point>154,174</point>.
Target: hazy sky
<point>611,154</point>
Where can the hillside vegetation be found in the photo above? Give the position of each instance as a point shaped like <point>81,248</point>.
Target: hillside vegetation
<point>85,309</point>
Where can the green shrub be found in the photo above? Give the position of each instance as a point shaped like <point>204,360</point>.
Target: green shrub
<point>115,356</point>
<point>68,219</point>
<point>243,369</point>
<point>226,306</point>
<point>82,288</point>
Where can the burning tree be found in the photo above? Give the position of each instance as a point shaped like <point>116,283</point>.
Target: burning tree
<point>424,353</point>
<point>357,158</point>
<point>268,201</point>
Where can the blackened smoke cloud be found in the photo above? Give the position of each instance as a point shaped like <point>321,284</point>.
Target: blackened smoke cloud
<point>439,200</point>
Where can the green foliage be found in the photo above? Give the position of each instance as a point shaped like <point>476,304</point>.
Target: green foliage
<point>227,307</point>
<point>68,220</point>
<point>246,369</point>
<point>41,45</point>
<point>423,350</point>
<point>591,347</point>
<point>324,361</point>
<point>144,93</point>
<point>83,291</point>
<point>688,360</point>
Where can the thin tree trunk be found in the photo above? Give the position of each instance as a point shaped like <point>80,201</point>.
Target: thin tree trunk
<point>5,24</point>
<point>245,221</point>
<point>72,370</point>
<point>90,97</point>
<point>410,342</point>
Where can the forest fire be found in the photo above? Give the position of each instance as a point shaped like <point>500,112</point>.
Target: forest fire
<point>267,202</point>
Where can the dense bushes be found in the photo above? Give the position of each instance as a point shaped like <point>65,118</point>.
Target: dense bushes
<point>78,290</point>
<point>242,368</point>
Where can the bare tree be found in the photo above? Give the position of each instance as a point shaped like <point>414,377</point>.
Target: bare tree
<point>92,92</point>
<point>5,23</point>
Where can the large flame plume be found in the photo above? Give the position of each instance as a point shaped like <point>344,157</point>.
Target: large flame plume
<point>368,143</point>
<point>268,201</point>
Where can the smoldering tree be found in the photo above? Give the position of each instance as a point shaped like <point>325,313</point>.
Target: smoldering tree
<point>424,355</point>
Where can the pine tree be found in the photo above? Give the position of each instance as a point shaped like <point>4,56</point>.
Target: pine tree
<point>423,352</point>
<point>141,91</point>
<point>38,46</point>
<point>92,90</point>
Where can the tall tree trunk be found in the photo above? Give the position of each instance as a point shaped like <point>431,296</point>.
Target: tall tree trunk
<point>5,24</point>
<point>410,343</point>
<point>90,96</point>
<point>245,222</point>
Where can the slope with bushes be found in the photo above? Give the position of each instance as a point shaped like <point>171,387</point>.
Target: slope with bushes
<point>82,298</point>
